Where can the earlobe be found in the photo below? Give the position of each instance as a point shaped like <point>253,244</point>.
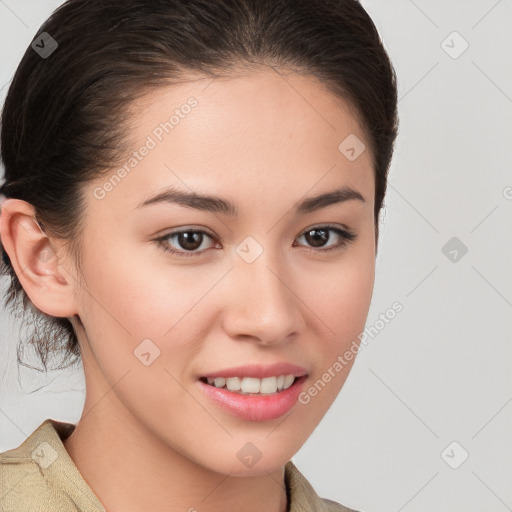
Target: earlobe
<point>35,260</point>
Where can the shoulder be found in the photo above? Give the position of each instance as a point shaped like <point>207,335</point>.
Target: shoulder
<point>23,485</point>
<point>303,497</point>
<point>333,506</point>
<point>38,476</point>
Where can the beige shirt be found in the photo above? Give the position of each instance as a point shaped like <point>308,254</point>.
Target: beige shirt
<point>39,475</point>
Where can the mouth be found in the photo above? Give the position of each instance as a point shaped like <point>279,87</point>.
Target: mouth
<point>253,399</point>
<point>253,385</point>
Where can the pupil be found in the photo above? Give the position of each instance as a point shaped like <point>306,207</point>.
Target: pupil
<point>186,237</point>
<point>322,238</point>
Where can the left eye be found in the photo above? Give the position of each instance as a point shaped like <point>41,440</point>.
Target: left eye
<point>191,239</point>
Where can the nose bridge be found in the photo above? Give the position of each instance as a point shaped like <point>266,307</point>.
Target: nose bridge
<point>263,304</point>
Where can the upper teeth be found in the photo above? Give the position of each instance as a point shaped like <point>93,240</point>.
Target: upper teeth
<point>252,384</point>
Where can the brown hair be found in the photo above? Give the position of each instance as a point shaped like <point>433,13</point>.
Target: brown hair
<point>64,117</point>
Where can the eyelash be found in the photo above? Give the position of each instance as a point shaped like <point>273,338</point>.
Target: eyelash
<point>347,237</point>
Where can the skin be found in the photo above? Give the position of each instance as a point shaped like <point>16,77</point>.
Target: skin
<point>264,141</point>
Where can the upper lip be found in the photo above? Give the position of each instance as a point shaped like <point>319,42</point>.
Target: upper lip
<point>259,371</point>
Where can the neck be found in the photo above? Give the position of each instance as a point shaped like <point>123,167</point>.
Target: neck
<point>129,469</point>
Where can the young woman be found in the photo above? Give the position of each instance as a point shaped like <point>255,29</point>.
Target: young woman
<point>192,196</point>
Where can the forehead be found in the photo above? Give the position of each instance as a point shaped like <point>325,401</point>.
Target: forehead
<point>258,133</point>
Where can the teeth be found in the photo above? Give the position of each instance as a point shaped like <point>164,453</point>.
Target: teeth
<point>234,383</point>
<point>250,385</point>
<point>267,385</point>
<point>219,382</point>
<point>288,381</point>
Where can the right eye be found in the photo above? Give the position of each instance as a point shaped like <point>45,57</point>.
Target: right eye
<point>189,239</point>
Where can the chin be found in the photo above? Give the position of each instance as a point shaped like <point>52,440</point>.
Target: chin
<point>243,457</point>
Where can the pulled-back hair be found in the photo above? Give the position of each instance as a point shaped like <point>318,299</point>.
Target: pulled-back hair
<point>65,115</point>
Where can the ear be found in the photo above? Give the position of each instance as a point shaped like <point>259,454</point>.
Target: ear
<point>36,260</point>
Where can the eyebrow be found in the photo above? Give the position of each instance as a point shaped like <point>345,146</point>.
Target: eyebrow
<point>215,204</point>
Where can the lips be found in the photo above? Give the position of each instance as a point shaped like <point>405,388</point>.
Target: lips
<point>266,391</point>
<point>254,407</point>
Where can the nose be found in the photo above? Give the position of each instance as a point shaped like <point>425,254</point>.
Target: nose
<point>263,305</point>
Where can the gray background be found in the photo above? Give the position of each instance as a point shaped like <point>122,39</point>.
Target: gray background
<point>440,371</point>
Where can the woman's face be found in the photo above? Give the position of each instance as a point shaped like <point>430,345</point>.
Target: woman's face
<point>253,286</point>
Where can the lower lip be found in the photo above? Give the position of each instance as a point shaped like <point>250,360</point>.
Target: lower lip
<point>254,407</point>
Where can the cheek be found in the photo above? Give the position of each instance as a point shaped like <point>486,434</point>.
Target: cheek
<point>340,296</point>
<point>340,301</point>
<point>141,330</point>
<point>137,299</point>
